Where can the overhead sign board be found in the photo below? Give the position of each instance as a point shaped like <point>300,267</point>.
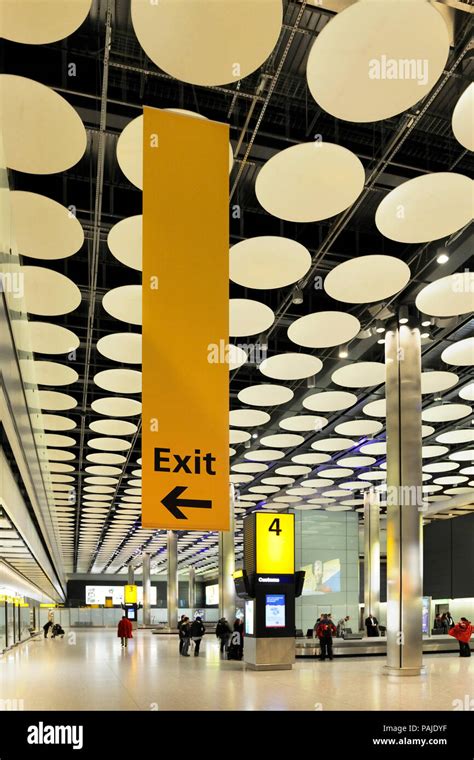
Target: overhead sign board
<point>185,415</point>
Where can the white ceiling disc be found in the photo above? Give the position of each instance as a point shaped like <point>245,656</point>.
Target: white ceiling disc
<point>360,375</point>
<point>355,485</point>
<point>302,491</point>
<point>285,440</point>
<point>293,470</point>
<point>249,467</point>
<point>264,455</point>
<point>375,475</point>
<point>338,508</point>
<point>53,439</point>
<point>248,317</point>
<point>49,293</point>
<point>466,470</point>
<point>248,417</point>
<point>376,59</point>
<point>329,401</point>
<point>463,456</point>
<point>265,395</point>
<point>121,347</point>
<point>467,393</point>
<point>460,489</point>
<point>426,430</point>
<point>119,380</point>
<point>42,133</point>
<point>267,262</point>
<point>56,401</point>
<point>124,303</point>
<point>445,412</point>
<point>375,449</point>
<point>310,182</point>
<point>39,23</point>
<point>109,444</point>
<point>426,208</point>
<point>451,480</point>
<point>235,356</point>
<point>264,489</point>
<point>66,479</point>
<point>449,296</point>
<point>320,500</point>
<point>58,455</point>
<point>236,478</point>
<point>367,279</point>
<point>456,436</point>
<point>376,408</point>
<point>358,461</point>
<point>57,422</point>
<point>196,42</point>
<point>100,481</point>
<point>337,493</point>
<point>359,427</point>
<point>125,241</point>
<point>103,470</point>
<point>303,422</point>
<point>351,502</point>
<point>113,427</point>
<point>278,481</point>
<point>291,366</point>
<point>323,329</point>
<point>333,444</point>
<point>463,118</point>
<point>47,373</point>
<point>440,466</point>
<point>43,228</point>
<point>434,382</point>
<point>459,354</point>
<point>287,499</point>
<point>335,472</point>
<point>238,436</point>
<point>45,338</point>
<point>99,489</point>
<point>427,452</point>
<point>116,406</point>
<point>311,459</point>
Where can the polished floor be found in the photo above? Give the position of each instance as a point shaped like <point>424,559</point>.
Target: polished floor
<point>89,670</point>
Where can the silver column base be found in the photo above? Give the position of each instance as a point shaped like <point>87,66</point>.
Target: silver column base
<point>390,671</point>
<point>269,653</point>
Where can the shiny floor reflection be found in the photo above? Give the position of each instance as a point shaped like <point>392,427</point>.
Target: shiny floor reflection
<point>92,672</point>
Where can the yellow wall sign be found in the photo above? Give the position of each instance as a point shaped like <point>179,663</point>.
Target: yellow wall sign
<point>130,594</point>
<point>185,394</point>
<point>275,543</point>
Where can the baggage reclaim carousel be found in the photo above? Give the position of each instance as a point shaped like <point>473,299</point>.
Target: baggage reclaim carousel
<point>372,646</point>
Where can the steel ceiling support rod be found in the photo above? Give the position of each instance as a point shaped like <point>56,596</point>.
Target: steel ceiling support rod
<point>94,264</point>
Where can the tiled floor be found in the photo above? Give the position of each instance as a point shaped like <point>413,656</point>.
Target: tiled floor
<point>91,671</point>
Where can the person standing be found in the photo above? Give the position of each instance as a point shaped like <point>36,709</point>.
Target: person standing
<point>197,632</point>
<point>223,633</point>
<point>180,636</point>
<point>341,626</point>
<point>124,630</point>
<point>372,625</point>
<point>325,631</point>
<point>449,619</point>
<point>185,633</point>
<point>463,632</point>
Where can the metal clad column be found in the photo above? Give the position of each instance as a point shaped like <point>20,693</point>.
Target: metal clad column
<point>371,553</point>
<point>404,501</point>
<point>146,588</point>
<point>227,567</point>
<point>192,588</point>
<point>172,586</point>
<point>131,575</point>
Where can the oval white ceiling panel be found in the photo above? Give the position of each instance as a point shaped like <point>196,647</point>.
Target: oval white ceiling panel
<point>291,366</point>
<point>374,60</point>
<point>428,452</point>
<point>467,393</point>
<point>310,182</point>
<point>449,296</point>
<point>264,489</point>
<point>376,449</point>
<point>197,42</point>
<point>43,228</point>
<point>333,444</point>
<point>265,395</point>
<point>285,440</point>
<point>100,481</point>
<point>329,401</point>
<point>460,353</point>
<point>293,470</point>
<point>278,481</point>
<point>334,472</point>
<point>360,375</point>
<point>463,118</point>
<point>311,459</point>
<point>440,466</point>
<point>426,430</point>
<point>49,373</point>
<point>109,444</point>
<point>34,23</point>
<point>249,467</point>
<point>58,455</point>
<point>238,436</point>
<point>248,417</point>
<point>357,461</point>
<point>267,262</point>
<point>57,422</point>
<point>124,303</point>
<point>463,456</point>
<point>367,279</point>
<point>116,406</point>
<point>235,356</point>
<point>264,455</point>
<point>49,293</point>
<point>103,470</point>
<point>434,382</point>
<point>46,338</point>
<point>113,428</point>
<point>42,133</point>
<point>426,208</point>
<point>55,401</point>
<point>303,422</point>
<point>445,412</point>
<point>248,317</point>
<point>359,427</point>
<point>53,439</point>
<point>106,458</point>
<point>119,380</point>
<point>456,436</point>
<point>324,329</point>
<point>376,408</point>
<point>121,347</point>
<point>125,241</point>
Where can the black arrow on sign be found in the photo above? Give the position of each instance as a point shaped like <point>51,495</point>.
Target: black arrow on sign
<point>172,502</point>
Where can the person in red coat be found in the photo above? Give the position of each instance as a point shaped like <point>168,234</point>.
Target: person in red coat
<point>462,631</point>
<point>124,630</point>
<point>325,630</point>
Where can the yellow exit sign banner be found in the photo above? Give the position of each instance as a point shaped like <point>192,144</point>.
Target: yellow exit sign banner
<point>275,543</point>
<point>185,415</point>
